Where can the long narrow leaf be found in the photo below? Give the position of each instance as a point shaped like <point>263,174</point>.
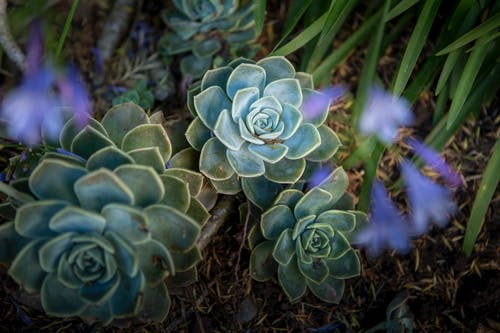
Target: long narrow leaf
<point>476,33</point>
<point>325,68</point>
<point>400,8</point>
<point>487,188</point>
<point>370,174</point>
<point>259,14</point>
<point>461,11</point>
<point>466,81</point>
<point>338,13</point>
<point>66,27</point>
<point>293,18</point>
<point>415,45</point>
<point>305,36</point>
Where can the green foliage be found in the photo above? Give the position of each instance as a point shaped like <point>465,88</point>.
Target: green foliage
<point>305,238</point>
<point>103,226</point>
<point>251,122</point>
<point>139,94</point>
<point>207,30</point>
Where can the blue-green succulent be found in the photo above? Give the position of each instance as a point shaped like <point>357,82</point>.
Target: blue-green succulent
<point>101,226</point>
<point>206,29</point>
<point>250,124</point>
<point>305,238</point>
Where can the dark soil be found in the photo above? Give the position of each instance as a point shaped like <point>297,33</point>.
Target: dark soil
<point>449,292</point>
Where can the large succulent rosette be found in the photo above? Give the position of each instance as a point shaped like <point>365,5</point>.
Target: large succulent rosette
<point>206,27</point>
<point>305,238</point>
<point>250,124</point>
<point>100,228</point>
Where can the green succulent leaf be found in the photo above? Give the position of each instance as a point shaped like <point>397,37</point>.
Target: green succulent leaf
<point>101,187</point>
<point>197,134</point>
<point>195,66</point>
<point>59,300</point>
<point>228,186</point>
<point>51,251</point>
<point>245,163</point>
<point>262,264</point>
<point>336,184</point>
<point>246,76</point>
<point>126,300</point>
<point>285,171</point>
<point>125,254</point>
<point>292,281</point>
<point>99,293</point>
<point>185,261</point>
<point>305,80</point>
<point>156,302</point>
<point>276,220</point>
<point>260,191</point>
<point>286,91</point>
<point>243,100</point>
<point>213,161</point>
<point>345,267</point>
<point>12,242</point>
<point>32,219</point>
<point>198,212</point>
<point>270,153</point>
<point>339,220</point>
<point>88,141</point>
<point>330,143</point>
<point>339,245</point>
<point>210,103</point>
<point>318,117</point>
<point>330,290</point>
<point>155,261</point>
<point>53,179</point>
<point>75,219</point>
<point>177,231</point>
<point>127,222</point>
<point>26,270</point>
<point>292,119</point>
<point>150,156</point>
<point>135,177</point>
<point>109,157</point>
<point>188,158</point>
<point>176,193</point>
<point>284,249</point>
<point>208,47</point>
<point>120,119</point>
<point>346,202</point>
<point>73,126</point>
<point>312,203</point>
<point>227,131</point>
<point>146,136</point>
<point>277,68</point>
<point>288,197</point>
<point>216,77</point>
<point>316,271</point>
<point>305,140</point>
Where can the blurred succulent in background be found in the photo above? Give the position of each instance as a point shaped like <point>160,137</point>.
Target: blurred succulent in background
<point>250,125</point>
<point>306,238</point>
<point>210,30</point>
<point>100,224</point>
<point>139,94</point>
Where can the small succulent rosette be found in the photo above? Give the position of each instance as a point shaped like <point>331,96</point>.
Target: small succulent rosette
<point>207,28</point>
<point>99,230</point>
<point>250,124</point>
<point>306,239</point>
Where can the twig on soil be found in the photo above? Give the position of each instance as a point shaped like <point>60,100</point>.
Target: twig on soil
<point>219,215</point>
<point>117,22</point>
<point>7,41</point>
<point>243,238</point>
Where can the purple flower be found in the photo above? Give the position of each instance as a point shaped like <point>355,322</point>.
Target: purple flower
<point>315,104</point>
<point>429,201</point>
<point>386,228</point>
<point>36,107</point>
<point>383,114</point>
<point>318,176</point>
<point>436,161</point>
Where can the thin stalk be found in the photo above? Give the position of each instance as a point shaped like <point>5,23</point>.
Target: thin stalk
<point>67,25</point>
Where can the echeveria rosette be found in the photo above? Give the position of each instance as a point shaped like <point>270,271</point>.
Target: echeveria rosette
<point>305,238</point>
<point>250,124</point>
<point>102,237</point>
<point>205,28</point>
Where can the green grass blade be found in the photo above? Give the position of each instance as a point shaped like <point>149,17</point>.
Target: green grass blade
<point>296,12</point>
<point>370,175</point>
<point>440,105</point>
<point>424,78</point>
<point>400,8</point>
<point>66,27</point>
<point>259,14</point>
<point>338,13</point>
<point>491,177</point>
<point>330,62</point>
<point>476,33</point>
<point>448,66</point>
<point>305,36</point>
<point>466,81</point>
<point>461,11</point>
<point>415,45</point>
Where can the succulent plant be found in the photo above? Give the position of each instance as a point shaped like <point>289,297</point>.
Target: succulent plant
<point>250,124</point>
<point>306,239</point>
<point>99,227</point>
<point>139,94</point>
<point>206,29</point>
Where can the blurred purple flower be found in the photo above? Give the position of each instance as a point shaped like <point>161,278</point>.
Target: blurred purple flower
<point>386,227</point>
<point>436,161</point>
<point>315,104</point>
<point>35,107</point>
<point>429,201</point>
<point>383,114</point>
<point>318,176</point>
